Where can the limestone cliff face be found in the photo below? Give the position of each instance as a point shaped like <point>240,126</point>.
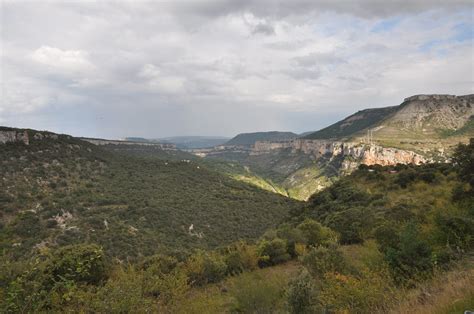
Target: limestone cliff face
<point>357,152</point>
<point>14,136</point>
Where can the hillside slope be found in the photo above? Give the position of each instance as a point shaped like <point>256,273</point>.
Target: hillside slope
<point>353,124</point>
<point>58,190</point>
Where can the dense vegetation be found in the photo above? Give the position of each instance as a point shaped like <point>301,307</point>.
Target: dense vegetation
<point>62,191</point>
<point>353,124</point>
<point>360,246</point>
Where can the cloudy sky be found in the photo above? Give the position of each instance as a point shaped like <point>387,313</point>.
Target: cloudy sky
<point>163,68</point>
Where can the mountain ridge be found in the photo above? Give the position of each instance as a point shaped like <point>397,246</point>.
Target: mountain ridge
<point>249,139</point>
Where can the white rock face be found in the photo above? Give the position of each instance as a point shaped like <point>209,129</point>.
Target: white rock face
<point>14,136</point>
<point>362,153</point>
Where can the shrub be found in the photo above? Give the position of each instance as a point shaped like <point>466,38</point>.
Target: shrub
<point>352,224</point>
<point>405,177</point>
<point>205,267</point>
<point>302,295</point>
<point>321,260</point>
<point>315,234</point>
<point>241,257</point>
<point>272,252</point>
<point>83,263</point>
<point>456,232</point>
<point>158,264</point>
<point>408,255</point>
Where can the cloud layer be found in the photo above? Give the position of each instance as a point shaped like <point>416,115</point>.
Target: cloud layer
<point>115,69</point>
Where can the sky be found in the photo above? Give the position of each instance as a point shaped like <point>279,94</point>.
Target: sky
<point>113,69</point>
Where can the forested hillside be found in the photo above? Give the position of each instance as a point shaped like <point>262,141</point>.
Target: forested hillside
<point>59,190</point>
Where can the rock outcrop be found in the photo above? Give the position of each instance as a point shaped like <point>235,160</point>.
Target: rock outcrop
<point>368,154</point>
<point>14,136</point>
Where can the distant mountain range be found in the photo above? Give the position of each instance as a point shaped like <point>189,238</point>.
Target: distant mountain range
<point>185,142</point>
<point>248,139</point>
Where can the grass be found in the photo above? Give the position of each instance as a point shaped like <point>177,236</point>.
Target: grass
<point>450,292</point>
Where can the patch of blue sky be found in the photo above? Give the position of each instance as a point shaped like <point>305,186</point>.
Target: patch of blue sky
<point>463,32</point>
<point>430,45</point>
<point>386,25</point>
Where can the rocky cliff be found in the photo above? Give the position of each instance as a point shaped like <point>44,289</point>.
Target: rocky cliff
<point>14,136</point>
<point>368,154</point>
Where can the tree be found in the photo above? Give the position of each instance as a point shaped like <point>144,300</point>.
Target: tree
<point>463,159</point>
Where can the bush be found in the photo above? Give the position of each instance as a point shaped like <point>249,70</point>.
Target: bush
<point>272,252</point>
<point>241,257</point>
<point>205,267</point>
<point>352,224</point>
<point>302,295</point>
<point>83,263</point>
<point>456,232</point>
<point>408,256</point>
<point>405,177</point>
<point>321,260</point>
<point>315,234</point>
<point>158,264</point>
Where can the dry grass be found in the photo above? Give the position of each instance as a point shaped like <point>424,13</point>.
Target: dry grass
<point>451,292</point>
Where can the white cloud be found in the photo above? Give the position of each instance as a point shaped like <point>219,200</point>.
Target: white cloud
<point>67,60</point>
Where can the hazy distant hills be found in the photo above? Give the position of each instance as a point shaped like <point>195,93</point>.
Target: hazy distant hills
<point>248,139</point>
<point>185,142</point>
<point>190,142</point>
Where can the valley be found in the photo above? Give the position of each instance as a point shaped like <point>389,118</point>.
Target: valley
<point>423,129</point>
<point>341,223</point>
